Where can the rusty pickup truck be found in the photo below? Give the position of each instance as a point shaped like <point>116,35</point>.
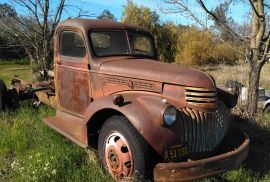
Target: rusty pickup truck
<point>111,93</point>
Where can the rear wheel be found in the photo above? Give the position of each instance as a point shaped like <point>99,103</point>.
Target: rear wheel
<point>3,91</point>
<point>122,150</point>
<point>13,99</point>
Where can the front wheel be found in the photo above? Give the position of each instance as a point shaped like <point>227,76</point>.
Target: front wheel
<point>122,150</point>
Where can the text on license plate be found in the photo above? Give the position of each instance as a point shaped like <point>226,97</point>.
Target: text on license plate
<point>176,153</point>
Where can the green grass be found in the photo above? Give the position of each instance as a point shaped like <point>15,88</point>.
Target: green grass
<point>30,151</point>
<point>23,61</point>
<point>9,71</point>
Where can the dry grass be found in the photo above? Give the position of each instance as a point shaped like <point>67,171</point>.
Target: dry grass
<point>239,73</point>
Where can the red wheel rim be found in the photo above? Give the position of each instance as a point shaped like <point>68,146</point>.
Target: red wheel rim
<point>118,156</point>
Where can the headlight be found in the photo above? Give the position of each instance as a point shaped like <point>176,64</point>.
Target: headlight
<point>169,116</point>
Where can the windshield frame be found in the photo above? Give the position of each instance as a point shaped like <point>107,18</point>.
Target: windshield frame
<point>127,31</point>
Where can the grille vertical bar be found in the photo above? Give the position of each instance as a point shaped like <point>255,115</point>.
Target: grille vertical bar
<point>202,131</point>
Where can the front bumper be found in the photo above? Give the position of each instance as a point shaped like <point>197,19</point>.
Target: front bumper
<point>194,170</point>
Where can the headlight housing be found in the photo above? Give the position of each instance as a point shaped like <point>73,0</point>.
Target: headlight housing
<point>170,115</point>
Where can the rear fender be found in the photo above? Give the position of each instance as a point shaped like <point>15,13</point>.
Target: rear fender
<point>145,112</point>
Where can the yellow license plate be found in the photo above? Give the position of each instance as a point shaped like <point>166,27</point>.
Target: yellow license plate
<point>176,153</point>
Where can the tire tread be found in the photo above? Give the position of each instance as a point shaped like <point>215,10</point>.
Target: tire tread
<point>143,151</point>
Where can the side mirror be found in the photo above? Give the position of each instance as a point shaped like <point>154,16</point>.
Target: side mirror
<point>169,46</point>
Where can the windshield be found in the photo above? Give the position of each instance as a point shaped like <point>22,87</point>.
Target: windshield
<point>106,43</point>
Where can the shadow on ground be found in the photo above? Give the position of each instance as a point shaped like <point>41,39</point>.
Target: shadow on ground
<point>258,159</point>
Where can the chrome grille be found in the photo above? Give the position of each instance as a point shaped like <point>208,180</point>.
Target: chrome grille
<point>197,96</point>
<point>202,131</point>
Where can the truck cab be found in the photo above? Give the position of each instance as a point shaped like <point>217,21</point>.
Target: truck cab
<point>112,93</point>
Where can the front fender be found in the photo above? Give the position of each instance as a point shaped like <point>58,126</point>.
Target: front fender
<point>230,98</point>
<point>145,112</point>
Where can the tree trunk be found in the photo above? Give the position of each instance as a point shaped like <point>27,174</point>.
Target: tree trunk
<point>253,88</point>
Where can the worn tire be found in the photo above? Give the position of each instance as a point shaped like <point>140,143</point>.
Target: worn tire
<point>3,92</point>
<point>267,109</point>
<point>140,150</point>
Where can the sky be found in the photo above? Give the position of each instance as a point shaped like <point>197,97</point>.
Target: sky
<point>238,11</point>
<point>116,7</point>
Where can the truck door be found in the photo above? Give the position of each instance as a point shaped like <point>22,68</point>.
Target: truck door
<point>72,73</point>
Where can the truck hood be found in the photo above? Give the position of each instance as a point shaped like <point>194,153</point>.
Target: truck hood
<point>147,69</point>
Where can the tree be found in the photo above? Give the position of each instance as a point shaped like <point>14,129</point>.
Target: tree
<point>106,15</point>
<point>6,10</point>
<point>6,50</point>
<point>167,37</point>
<point>256,44</point>
<point>34,31</point>
<point>221,11</point>
<point>141,16</point>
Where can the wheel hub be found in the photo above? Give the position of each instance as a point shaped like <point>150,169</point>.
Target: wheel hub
<point>118,156</point>
<point>113,159</point>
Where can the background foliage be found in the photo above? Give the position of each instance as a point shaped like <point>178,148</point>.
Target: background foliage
<point>189,45</point>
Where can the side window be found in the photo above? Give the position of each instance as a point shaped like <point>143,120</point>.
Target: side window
<point>72,44</point>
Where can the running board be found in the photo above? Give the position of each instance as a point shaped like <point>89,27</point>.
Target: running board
<point>70,126</point>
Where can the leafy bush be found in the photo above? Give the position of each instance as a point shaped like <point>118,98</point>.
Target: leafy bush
<point>224,54</point>
<point>200,47</point>
<point>189,45</point>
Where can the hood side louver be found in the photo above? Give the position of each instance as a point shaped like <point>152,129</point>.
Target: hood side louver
<point>134,84</point>
<point>197,96</point>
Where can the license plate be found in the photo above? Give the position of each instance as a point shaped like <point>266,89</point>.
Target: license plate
<point>176,152</point>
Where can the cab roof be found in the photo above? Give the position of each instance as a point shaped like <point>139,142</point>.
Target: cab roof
<point>91,24</point>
